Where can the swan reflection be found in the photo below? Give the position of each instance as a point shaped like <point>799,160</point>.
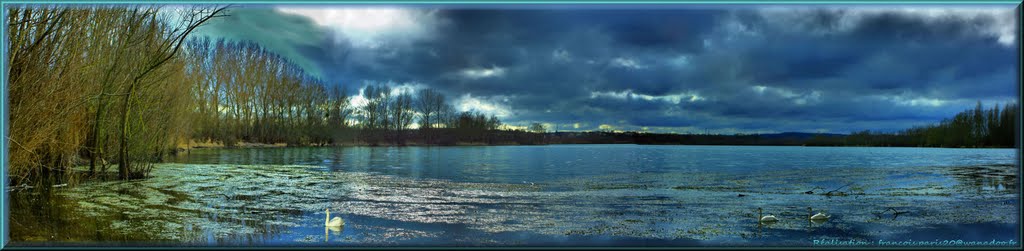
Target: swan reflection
<point>333,230</point>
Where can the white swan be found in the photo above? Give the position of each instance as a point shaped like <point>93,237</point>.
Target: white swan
<point>766,219</point>
<point>817,217</point>
<point>336,222</point>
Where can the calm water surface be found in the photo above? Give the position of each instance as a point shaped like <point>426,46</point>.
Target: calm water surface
<point>558,195</point>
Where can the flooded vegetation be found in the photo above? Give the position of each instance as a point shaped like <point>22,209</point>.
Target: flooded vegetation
<point>533,196</point>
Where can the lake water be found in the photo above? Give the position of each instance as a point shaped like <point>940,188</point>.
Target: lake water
<point>556,195</point>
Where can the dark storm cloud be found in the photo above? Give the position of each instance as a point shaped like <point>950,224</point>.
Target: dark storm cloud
<point>798,69</point>
<point>295,38</point>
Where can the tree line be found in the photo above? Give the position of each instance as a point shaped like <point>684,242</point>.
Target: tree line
<point>244,93</point>
<point>978,127</point>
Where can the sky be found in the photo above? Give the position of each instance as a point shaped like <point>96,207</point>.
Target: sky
<point>683,69</point>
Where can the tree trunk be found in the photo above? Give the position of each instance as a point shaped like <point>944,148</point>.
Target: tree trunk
<point>123,165</point>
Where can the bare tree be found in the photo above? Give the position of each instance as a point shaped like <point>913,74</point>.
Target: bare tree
<point>447,116</point>
<point>537,128</point>
<point>429,103</point>
<point>378,100</point>
<point>401,114</point>
<point>340,110</point>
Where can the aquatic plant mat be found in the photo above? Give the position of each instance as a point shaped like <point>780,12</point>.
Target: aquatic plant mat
<point>199,205</point>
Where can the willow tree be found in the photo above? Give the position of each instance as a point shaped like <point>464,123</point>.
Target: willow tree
<point>163,41</point>
<point>69,65</point>
<point>42,131</point>
<point>112,30</point>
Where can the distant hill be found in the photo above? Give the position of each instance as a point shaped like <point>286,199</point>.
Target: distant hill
<point>799,135</point>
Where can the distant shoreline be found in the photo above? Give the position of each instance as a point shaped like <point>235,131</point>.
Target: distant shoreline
<point>249,145</point>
